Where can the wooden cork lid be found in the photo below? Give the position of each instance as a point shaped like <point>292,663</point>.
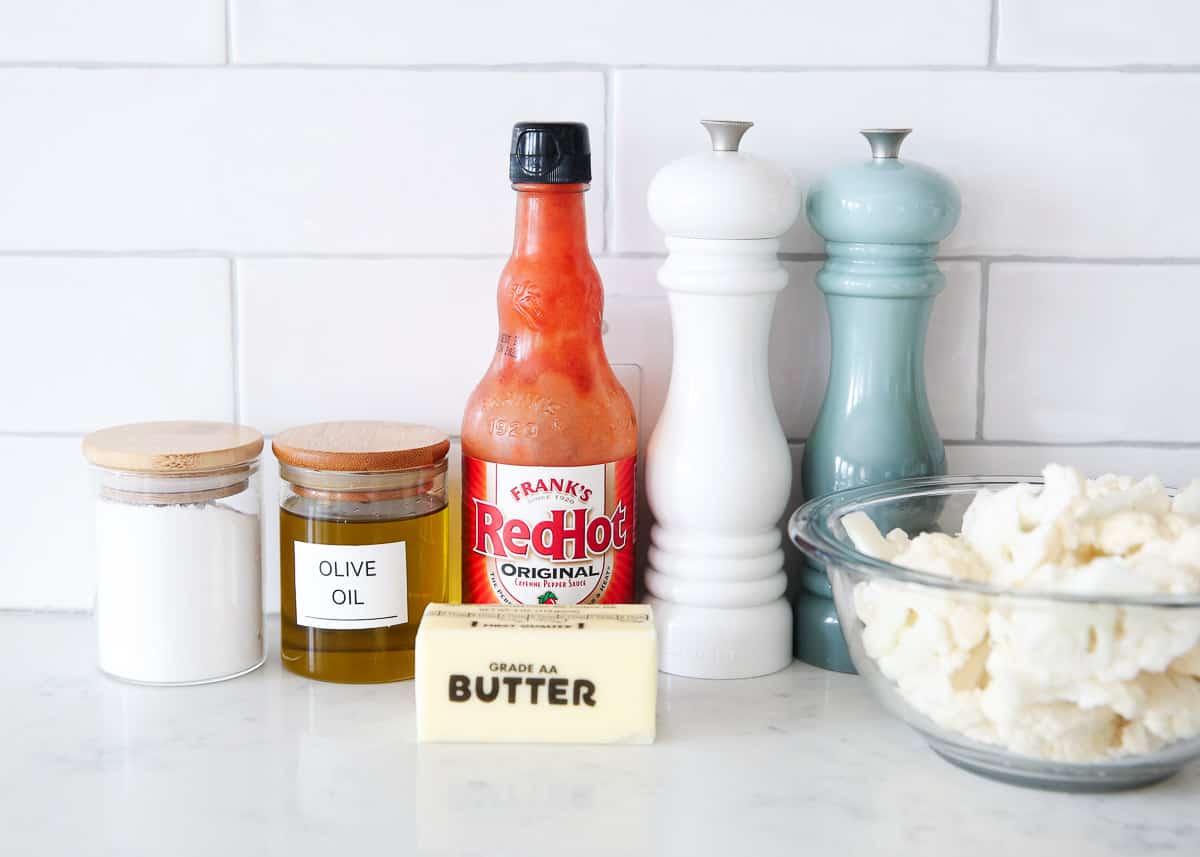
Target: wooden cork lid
<point>361,446</point>
<point>179,447</point>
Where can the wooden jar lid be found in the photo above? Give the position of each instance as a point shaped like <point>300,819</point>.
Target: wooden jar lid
<point>179,447</point>
<point>361,446</point>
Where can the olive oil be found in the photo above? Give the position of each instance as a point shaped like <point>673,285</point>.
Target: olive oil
<point>361,655</point>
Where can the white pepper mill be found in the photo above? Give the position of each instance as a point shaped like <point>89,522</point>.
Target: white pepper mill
<point>718,470</point>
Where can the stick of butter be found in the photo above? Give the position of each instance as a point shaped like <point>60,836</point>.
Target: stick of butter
<point>586,674</point>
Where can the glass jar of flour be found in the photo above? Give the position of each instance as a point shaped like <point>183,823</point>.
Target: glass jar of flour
<point>178,559</point>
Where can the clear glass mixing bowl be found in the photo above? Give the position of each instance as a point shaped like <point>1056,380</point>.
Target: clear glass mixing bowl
<point>1020,756</point>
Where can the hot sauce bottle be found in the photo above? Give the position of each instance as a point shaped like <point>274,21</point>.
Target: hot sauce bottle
<point>549,436</point>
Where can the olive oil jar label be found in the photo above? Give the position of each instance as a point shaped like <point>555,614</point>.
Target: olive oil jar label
<point>351,586</point>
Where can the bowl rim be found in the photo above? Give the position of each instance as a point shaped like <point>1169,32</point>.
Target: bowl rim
<point>809,530</point>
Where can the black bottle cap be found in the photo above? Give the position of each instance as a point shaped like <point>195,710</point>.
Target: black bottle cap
<point>550,153</point>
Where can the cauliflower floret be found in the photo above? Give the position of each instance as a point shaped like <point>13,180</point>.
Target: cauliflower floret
<point>1187,664</point>
<point>909,630</point>
<point>1101,576</point>
<point>932,647</point>
<point>883,616</point>
<point>1128,532</point>
<point>867,538</point>
<point>1148,496</point>
<point>951,700</point>
<point>1151,638</point>
<point>1020,528</point>
<point>898,539</point>
<point>1172,706</point>
<point>1062,490</point>
<point>1137,740</point>
<point>1161,567</point>
<point>943,555</point>
<point>1109,483</point>
<point>1059,644</point>
<point>1184,550</point>
<point>1048,645</point>
<point>1187,501</point>
<point>1059,731</point>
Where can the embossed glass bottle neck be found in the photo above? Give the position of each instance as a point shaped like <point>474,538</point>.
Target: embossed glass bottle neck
<point>551,299</point>
<point>550,220</point>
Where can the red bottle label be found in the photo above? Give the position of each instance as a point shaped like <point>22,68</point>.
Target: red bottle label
<point>548,535</point>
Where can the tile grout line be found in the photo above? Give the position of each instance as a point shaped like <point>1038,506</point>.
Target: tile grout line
<point>235,329</point>
<point>567,68</point>
<point>1168,445</point>
<point>201,253</point>
<point>228,32</point>
<point>609,159</point>
<point>1017,258</point>
<point>1165,445</point>
<point>985,276</point>
<point>46,611</point>
<point>1021,258</point>
<point>47,435</point>
<point>993,34</point>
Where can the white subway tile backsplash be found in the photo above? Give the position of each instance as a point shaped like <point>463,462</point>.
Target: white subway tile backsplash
<point>1071,163</point>
<point>630,277</point>
<point>688,32</point>
<point>639,334</point>
<point>1175,467</point>
<point>403,340</point>
<point>142,31</point>
<point>952,352</point>
<point>1099,32</point>
<point>1079,353</point>
<point>94,342</point>
<point>274,161</point>
<point>46,551</point>
<point>406,339</point>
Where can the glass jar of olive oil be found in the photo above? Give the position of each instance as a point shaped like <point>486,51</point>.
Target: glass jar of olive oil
<point>363,546</point>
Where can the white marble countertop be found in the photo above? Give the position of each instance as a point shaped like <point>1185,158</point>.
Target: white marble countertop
<point>271,764</point>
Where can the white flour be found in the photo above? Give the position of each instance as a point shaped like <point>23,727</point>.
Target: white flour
<point>179,591</point>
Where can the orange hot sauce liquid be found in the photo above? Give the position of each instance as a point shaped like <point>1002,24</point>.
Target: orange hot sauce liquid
<point>548,400</point>
<point>550,397</point>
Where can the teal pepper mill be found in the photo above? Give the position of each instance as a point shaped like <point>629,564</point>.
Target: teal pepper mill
<point>881,220</point>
